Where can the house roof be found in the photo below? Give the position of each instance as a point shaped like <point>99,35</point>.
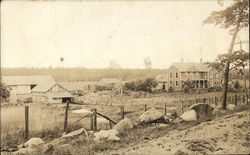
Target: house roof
<point>28,80</point>
<point>184,67</point>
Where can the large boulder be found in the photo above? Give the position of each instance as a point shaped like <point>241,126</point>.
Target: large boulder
<point>102,123</point>
<point>106,135</point>
<point>28,150</point>
<point>74,133</point>
<point>123,125</point>
<point>150,116</point>
<point>230,106</point>
<point>189,115</point>
<point>82,111</point>
<point>204,111</point>
<point>33,142</point>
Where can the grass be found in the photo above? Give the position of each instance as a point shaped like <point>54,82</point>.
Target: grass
<point>16,137</point>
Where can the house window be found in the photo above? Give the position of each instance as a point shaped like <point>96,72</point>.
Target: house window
<point>206,75</point>
<point>217,75</point>
<point>176,75</point>
<point>170,74</point>
<point>176,84</point>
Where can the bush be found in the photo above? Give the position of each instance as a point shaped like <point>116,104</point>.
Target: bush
<point>170,89</point>
<point>4,93</point>
<point>141,85</point>
<point>237,85</point>
<point>215,89</point>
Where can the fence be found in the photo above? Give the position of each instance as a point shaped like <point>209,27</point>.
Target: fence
<point>180,106</point>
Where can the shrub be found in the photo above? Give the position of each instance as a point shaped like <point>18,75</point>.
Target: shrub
<point>170,89</point>
<point>145,85</point>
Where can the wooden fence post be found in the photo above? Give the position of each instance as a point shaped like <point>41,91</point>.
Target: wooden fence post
<point>26,122</point>
<point>111,100</point>
<point>215,100</point>
<point>235,99</point>
<point>165,108</point>
<point>182,110</point>
<point>145,107</point>
<point>94,120</point>
<point>122,112</point>
<point>66,117</point>
<point>204,100</point>
<point>110,124</point>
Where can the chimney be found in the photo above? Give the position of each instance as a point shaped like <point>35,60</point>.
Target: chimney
<point>182,60</point>
<point>201,60</point>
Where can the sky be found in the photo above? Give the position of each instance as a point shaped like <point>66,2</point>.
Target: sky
<point>92,33</point>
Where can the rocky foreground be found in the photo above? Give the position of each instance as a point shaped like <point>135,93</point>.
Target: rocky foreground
<point>226,135</point>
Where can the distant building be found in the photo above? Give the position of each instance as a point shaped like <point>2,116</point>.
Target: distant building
<point>79,86</point>
<point>38,86</point>
<point>200,75</point>
<point>162,81</point>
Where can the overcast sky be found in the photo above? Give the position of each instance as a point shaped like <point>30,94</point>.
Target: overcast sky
<point>90,34</point>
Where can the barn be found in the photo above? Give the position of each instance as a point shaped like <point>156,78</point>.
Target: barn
<point>40,88</point>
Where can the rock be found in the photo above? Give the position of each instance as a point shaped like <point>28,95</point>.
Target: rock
<point>102,120</point>
<point>123,125</point>
<point>82,111</point>
<point>106,135</point>
<point>25,151</point>
<point>150,116</point>
<point>74,133</point>
<point>102,123</point>
<point>203,111</point>
<point>177,120</point>
<point>230,106</point>
<point>189,115</point>
<point>33,142</point>
<point>179,152</point>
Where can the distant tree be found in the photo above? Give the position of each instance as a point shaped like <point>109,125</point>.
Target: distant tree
<point>5,94</point>
<point>240,59</point>
<point>237,85</point>
<point>141,85</point>
<point>235,18</point>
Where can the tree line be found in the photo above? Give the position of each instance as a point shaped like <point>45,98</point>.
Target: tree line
<point>84,74</point>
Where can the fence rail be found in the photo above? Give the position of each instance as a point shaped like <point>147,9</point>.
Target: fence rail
<point>178,106</point>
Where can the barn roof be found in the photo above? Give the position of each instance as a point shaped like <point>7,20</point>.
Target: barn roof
<point>77,85</point>
<point>184,67</point>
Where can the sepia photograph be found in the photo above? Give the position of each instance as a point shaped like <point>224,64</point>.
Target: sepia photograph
<point>124,77</point>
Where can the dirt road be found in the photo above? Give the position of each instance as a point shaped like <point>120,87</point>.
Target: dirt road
<point>227,135</point>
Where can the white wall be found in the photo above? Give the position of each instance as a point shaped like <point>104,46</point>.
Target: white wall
<point>20,89</point>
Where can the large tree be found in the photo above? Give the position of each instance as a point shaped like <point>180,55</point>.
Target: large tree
<point>234,18</point>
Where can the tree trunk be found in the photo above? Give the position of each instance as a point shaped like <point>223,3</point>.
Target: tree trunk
<point>226,74</point>
<point>245,86</point>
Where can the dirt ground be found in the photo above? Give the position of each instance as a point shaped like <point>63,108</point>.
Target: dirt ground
<point>227,135</point>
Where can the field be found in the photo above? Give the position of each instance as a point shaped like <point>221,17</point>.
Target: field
<point>50,117</point>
